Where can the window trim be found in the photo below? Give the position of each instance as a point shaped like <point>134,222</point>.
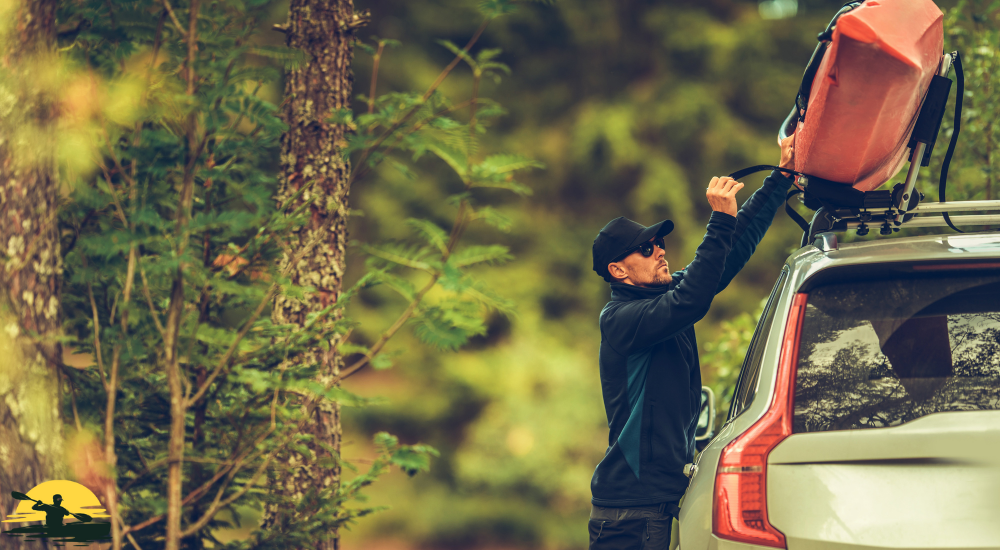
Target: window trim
<point>737,405</point>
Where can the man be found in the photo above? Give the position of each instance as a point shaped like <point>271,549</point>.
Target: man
<point>54,513</point>
<point>650,375</point>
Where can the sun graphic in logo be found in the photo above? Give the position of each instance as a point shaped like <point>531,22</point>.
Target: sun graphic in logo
<point>76,499</point>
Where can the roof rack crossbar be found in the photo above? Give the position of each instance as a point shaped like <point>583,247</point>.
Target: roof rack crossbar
<point>939,221</point>
<point>957,206</point>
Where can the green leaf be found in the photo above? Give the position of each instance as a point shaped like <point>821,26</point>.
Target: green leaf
<point>495,8</point>
<point>451,277</point>
<point>503,164</point>
<point>490,299</point>
<point>413,458</point>
<point>403,169</point>
<point>451,156</point>
<point>459,52</point>
<point>402,286</point>
<point>517,188</point>
<point>492,254</point>
<point>412,258</point>
<point>383,360</point>
<point>450,323</point>
<point>493,217</point>
<point>430,232</point>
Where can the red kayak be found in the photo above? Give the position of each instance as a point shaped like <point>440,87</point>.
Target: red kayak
<point>867,91</point>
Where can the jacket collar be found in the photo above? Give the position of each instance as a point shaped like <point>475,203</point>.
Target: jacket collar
<point>622,292</point>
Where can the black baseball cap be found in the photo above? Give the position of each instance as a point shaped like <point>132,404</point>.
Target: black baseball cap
<point>621,235</point>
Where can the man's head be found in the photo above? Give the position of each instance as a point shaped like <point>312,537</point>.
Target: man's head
<point>628,252</point>
<point>57,499</point>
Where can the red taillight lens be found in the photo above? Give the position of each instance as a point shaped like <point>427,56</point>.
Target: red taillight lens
<point>740,507</point>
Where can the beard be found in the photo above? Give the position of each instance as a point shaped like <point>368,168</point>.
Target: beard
<point>659,277</point>
<point>662,279</point>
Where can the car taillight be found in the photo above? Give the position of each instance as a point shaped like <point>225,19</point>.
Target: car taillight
<point>740,507</point>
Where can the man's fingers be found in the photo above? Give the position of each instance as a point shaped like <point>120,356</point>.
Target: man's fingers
<point>729,183</point>
<point>712,184</point>
<point>735,189</point>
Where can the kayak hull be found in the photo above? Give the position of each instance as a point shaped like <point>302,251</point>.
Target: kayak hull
<point>867,92</point>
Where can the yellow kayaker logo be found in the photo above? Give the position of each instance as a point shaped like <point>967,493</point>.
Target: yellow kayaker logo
<point>66,509</point>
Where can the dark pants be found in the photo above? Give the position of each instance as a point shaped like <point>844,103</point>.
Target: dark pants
<point>636,528</point>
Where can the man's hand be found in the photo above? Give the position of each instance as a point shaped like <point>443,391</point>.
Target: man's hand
<point>787,154</point>
<point>721,194</point>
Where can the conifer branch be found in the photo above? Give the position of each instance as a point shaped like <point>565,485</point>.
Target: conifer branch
<point>149,301</point>
<point>363,171</point>
<point>377,346</point>
<point>97,334</point>
<point>224,361</point>
<point>114,195</point>
<point>173,17</point>
<point>399,123</point>
<point>371,94</point>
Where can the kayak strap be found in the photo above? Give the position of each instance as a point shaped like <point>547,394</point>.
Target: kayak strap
<point>791,211</point>
<point>946,163</point>
<point>820,192</point>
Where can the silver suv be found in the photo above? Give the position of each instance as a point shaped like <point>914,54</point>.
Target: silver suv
<point>867,411</point>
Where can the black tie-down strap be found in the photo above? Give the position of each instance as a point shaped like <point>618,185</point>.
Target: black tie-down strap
<point>791,193</point>
<point>791,211</point>
<point>739,174</point>
<point>946,163</point>
<point>821,192</point>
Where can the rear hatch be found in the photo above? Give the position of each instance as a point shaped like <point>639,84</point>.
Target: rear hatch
<point>896,427</point>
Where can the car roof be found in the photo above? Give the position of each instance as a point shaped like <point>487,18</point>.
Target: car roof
<point>809,260</point>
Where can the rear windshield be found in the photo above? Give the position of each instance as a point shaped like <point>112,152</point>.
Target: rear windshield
<point>880,353</point>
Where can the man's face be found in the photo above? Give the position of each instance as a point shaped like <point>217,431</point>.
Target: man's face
<point>638,270</point>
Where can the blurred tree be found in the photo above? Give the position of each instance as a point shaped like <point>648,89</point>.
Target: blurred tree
<point>31,273</point>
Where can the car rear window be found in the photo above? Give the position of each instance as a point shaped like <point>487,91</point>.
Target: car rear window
<point>875,354</point>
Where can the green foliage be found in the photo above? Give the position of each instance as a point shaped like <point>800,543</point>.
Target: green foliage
<point>972,27</point>
<point>723,357</point>
<point>178,222</point>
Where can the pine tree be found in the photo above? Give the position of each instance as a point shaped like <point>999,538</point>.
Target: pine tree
<point>176,251</point>
<point>315,90</point>
<point>31,269</point>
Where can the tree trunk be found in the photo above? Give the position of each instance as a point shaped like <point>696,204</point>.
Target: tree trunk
<point>31,444</point>
<point>310,150</point>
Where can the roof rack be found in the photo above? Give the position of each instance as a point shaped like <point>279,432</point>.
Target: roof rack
<point>900,207</point>
<point>923,215</point>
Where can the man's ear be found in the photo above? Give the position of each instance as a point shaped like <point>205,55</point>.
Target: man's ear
<point>617,271</point>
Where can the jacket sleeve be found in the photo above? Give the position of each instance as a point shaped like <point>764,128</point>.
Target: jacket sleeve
<point>752,221</point>
<point>638,324</point>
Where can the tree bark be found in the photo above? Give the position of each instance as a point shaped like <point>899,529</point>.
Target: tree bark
<point>310,150</point>
<point>31,444</point>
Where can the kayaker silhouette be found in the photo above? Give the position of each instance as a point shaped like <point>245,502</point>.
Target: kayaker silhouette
<point>54,513</point>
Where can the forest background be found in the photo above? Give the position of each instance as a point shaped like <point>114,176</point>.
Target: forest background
<point>626,108</point>
<point>633,106</point>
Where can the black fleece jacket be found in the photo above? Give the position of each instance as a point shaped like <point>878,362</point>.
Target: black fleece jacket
<point>650,374</point>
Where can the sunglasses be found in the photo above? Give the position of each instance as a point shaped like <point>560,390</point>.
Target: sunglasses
<point>646,249</point>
